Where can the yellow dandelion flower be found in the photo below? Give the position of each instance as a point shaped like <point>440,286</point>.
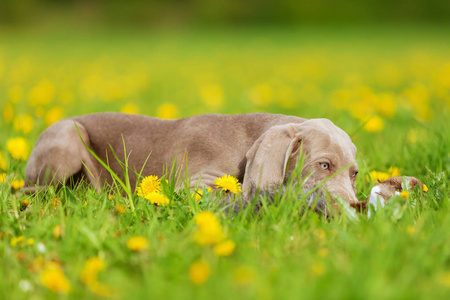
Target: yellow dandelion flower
<point>386,105</point>
<point>228,183</point>
<point>244,275</point>
<point>111,197</point>
<point>57,231</point>
<point>318,268</point>
<point>148,185</point>
<point>375,124</point>
<point>30,242</point>
<point>157,198</point>
<point>18,147</point>
<point>17,184</point>
<point>167,111</point>
<point>324,252</point>
<point>444,278</point>
<point>130,108</point>
<point>25,203</point>
<point>378,176</point>
<point>209,231</point>
<point>120,209</point>
<point>261,95</point>
<point>404,194</point>
<point>321,234</point>
<point>212,95</point>
<point>3,164</point>
<point>42,94</point>
<point>197,194</point>
<point>225,248</point>
<point>206,219</point>
<point>54,279</point>
<point>92,267</point>
<point>23,123</point>
<point>56,201</point>
<point>410,230</point>
<point>394,172</point>
<point>425,188</point>
<point>137,243</point>
<point>16,240</point>
<point>53,115</point>
<point>382,176</point>
<point>3,177</point>
<point>199,272</point>
<point>101,289</point>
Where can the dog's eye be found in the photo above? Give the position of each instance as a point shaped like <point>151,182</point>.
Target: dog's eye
<point>325,166</point>
<point>355,174</point>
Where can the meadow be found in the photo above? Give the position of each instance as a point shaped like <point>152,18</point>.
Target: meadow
<point>388,88</point>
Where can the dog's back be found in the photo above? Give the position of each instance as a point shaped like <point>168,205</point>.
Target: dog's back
<point>212,141</point>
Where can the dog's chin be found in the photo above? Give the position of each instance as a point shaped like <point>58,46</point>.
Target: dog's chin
<point>316,198</point>
<point>324,204</point>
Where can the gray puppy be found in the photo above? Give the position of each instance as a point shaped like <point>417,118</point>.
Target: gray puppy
<point>259,149</point>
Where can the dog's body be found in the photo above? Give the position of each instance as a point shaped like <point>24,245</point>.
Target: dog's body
<point>256,148</point>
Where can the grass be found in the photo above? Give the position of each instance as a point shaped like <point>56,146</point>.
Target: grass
<point>403,251</point>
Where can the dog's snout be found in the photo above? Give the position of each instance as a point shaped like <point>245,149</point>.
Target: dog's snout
<point>349,197</point>
<point>343,189</point>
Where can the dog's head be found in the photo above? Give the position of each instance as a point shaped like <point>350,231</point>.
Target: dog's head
<point>328,151</point>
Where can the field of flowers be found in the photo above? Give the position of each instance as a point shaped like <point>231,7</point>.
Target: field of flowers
<point>389,88</point>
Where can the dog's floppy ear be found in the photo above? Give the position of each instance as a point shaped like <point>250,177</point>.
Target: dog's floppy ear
<point>268,157</point>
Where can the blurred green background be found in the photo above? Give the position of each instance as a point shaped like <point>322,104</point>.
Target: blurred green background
<point>170,12</point>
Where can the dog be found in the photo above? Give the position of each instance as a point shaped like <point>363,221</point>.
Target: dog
<point>259,149</point>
